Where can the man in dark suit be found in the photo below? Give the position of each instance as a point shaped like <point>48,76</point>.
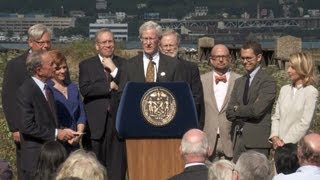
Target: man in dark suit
<point>186,71</point>
<point>37,120</point>
<point>98,81</point>
<point>195,150</point>
<point>251,103</point>
<point>151,65</point>
<point>39,37</point>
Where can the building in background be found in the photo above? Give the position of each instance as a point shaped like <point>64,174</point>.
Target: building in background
<point>119,30</point>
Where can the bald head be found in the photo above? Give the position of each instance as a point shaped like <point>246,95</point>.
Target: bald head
<point>195,143</point>
<point>220,58</point>
<point>309,150</point>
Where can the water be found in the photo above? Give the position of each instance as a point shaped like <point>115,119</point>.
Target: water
<point>137,45</point>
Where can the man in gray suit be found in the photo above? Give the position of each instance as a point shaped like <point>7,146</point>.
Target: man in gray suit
<point>251,103</point>
<point>217,87</point>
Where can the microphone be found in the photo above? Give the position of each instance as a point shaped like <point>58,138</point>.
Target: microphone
<point>155,65</point>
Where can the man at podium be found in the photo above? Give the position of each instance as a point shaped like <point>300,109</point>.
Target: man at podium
<point>151,65</point>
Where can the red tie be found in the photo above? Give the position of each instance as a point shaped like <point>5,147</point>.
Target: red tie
<point>220,78</point>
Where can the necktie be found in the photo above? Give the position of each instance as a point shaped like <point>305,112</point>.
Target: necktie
<point>220,78</point>
<point>150,71</point>
<point>50,100</point>
<point>246,89</point>
<point>107,74</point>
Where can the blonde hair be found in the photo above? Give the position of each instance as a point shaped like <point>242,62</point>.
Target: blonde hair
<point>221,170</point>
<point>305,67</point>
<point>82,164</point>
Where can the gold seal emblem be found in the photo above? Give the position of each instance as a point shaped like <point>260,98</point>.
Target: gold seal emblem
<point>158,106</point>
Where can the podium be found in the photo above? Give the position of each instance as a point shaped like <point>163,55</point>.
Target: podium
<point>152,118</point>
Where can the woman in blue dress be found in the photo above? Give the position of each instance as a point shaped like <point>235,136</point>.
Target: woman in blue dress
<point>69,106</point>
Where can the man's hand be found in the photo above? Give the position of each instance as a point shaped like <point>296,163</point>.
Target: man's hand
<point>65,134</point>
<point>276,142</point>
<point>108,63</point>
<point>16,136</point>
<point>114,86</point>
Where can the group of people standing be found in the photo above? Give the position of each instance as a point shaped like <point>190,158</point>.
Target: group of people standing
<point>42,104</point>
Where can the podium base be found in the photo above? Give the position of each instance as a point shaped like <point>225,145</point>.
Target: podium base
<point>156,159</point>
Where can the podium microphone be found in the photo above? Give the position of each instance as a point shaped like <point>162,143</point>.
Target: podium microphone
<point>155,65</point>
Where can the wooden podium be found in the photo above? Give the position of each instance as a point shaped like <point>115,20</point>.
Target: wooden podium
<point>153,151</point>
<point>156,159</point>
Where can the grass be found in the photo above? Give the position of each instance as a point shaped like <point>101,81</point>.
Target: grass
<point>78,51</point>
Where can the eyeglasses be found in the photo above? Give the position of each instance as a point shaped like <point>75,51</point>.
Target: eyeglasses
<point>225,57</point>
<point>104,43</point>
<point>168,45</point>
<point>144,40</point>
<point>248,59</point>
<point>42,43</point>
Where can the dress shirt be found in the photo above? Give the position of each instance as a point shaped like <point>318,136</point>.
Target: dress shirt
<point>146,60</point>
<point>304,172</point>
<point>114,72</point>
<point>193,164</point>
<point>253,73</point>
<point>70,110</point>
<point>220,89</point>
<point>294,112</point>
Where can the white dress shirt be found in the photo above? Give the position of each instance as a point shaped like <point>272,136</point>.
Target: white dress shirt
<point>303,173</point>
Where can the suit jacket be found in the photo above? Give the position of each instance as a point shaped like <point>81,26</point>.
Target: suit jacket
<point>294,113</point>
<point>14,75</point>
<point>189,72</point>
<point>37,123</point>
<point>134,69</point>
<point>215,118</point>
<point>95,91</point>
<point>198,172</point>
<point>256,115</point>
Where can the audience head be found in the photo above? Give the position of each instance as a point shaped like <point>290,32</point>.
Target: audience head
<point>286,159</point>
<point>52,154</point>
<point>222,170</point>
<point>251,55</point>
<point>105,42</point>
<point>40,64</point>
<point>253,165</point>
<point>301,69</point>
<point>149,34</point>
<point>60,60</point>
<point>309,150</point>
<point>194,146</point>
<point>83,165</point>
<point>169,42</point>
<point>220,58</point>
<point>39,37</point>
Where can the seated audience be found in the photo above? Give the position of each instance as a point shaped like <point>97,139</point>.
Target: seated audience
<point>52,154</point>
<point>253,165</point>
<point>222,170</point>
<point>286,159</point>
<point>5,171</point>
<point>83,165</point>
<point>195,151</point>
<point>308,152</point>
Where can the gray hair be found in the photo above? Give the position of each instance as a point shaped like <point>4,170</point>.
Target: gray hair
<point>221,170</point>
<point>36,31</point>
<point>82,164</point>
<point>34,61</point>
<point>167,32</point>
<point>101,31</point>
<point>197,147</point>
<point>150,25</point>
<point>253,165</point>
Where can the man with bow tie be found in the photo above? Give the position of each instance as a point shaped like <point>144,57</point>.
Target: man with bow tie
<point>217,88</point>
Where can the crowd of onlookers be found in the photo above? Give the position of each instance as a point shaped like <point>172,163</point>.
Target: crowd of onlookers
<point>49,115</point>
